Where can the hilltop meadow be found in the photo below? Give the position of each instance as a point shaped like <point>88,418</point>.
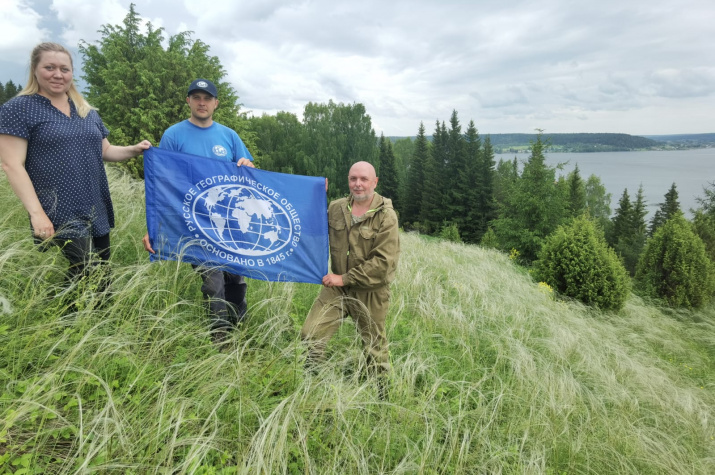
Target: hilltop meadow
<point>493,373</point>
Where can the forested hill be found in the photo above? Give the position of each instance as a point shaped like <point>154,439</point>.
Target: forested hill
<point>577,142</point>
<point>686,139</point>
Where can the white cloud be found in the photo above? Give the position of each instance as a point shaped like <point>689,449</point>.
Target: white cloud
<point>21,31</point>
<point>509,65</point>
<point>82,20</point>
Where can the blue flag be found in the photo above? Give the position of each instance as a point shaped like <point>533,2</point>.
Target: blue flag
<point>255,223</point>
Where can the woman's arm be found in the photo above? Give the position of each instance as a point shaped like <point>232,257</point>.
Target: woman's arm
<point>13,152</point>
<point>115,153</point>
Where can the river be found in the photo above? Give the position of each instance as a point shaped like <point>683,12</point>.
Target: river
<point>690,170</point>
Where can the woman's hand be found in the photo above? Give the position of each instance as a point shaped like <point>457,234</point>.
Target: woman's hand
<point>42,226</point>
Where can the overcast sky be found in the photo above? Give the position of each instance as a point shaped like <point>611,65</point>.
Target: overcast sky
<point>640,67</point>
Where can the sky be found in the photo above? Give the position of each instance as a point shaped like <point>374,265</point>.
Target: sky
<point>639,67</point>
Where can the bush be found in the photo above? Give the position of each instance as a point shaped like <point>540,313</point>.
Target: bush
<point>450,232</point>
<point>489,239</point>
<point>675,266</point>
<point>577,262</point>
<point>704,226</point>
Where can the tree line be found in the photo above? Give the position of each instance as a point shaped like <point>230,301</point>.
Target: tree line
<point>8,91</point>
<point>448,186</point>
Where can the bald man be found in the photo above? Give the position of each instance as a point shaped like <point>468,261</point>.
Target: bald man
<point>364,248</point>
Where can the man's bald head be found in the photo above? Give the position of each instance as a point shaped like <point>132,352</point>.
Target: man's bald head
<point>362,180</point>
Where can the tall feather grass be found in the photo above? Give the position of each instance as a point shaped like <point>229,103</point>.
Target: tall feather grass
<point>492,374</point>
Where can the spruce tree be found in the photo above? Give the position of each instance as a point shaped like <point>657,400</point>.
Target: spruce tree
<point>675,267</point>
<point>621,219</point>
<point>576,194</point>
<point>432,212</point>
<point>459,173</point>
<point>8,91</point>
<point>388,185</point>
<point>533,210</point>
<point>668,208</point>
<point>483,208</point>
<point>413,198</point>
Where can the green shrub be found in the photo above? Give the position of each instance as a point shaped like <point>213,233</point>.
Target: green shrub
<point>490,239</point>
<point>450,232</point>
<point>577,262</point>
<point>704,226</point>
<point>675,267</point>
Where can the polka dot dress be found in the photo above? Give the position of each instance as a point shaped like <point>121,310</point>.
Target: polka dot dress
<point>64,162</point>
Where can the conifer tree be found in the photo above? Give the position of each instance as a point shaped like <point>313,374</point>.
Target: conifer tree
<point>388,185</point>
<point>621,219</point>
<point>139,85</point>
<point>668,208</point>
<point>576,194</point>
<point>459,173</point>
<point>413,198</point>
<point>403,150</point>
<point>675,267</point>
<point>432,212</point>
<point>8,91</point>
<point>704,220</point>
<point>483,206</point>
<point>505,178</point>
<point>533,210</point>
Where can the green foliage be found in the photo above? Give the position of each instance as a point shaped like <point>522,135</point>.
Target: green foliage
<point>576,201</point>
<point>388,183</point>
<point>628,231</point>
<point>403,149</point>
<point>675,267</point>
<point>489,240</point>
<point>533,207</point>
<point>704,227</point>
<point>334,137</point>
<point>577,262</point>
<point>460,174</point>
<point>506,177</point>
<point>579,142</point>
<point>8,91</point>
<point>140,87</point>
<point>668,208</point>
<point>481,208</point>
<point>598,201</point>
<point>704,220</point>
<point>412,205</point>
<point>278,140</point>
<point>433,191</point>
<point>450,232</point>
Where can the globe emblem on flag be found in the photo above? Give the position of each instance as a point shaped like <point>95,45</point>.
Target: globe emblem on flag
<point>242,220</point>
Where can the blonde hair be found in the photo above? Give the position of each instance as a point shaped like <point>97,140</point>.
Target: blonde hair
<point>32,86</point>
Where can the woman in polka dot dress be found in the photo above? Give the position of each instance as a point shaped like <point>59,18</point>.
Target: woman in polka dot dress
<point>52,148</point>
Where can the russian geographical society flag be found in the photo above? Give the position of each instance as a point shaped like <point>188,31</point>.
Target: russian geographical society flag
<point>259,224</point>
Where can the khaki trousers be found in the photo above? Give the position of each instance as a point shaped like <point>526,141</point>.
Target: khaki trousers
<point>367,308</point>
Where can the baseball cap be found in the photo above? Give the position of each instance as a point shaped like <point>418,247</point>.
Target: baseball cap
<point>203,85</point>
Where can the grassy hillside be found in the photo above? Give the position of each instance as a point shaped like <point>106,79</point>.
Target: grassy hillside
<point>491,373</point>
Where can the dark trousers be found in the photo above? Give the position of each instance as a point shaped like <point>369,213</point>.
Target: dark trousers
<point>83,254</point>
<point>226,296</point>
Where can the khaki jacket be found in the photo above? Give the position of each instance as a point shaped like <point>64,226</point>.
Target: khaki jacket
<point>365,254</point>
